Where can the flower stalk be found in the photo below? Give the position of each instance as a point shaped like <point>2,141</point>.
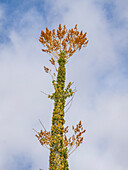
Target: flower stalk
<point>62,45</point>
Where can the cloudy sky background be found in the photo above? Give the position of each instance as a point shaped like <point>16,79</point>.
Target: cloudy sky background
<point>99,72</point>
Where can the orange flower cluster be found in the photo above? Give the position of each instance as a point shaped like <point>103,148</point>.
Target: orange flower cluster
<point>72,143</point>
<point>46,69</point>
<point>63,40</point>
<point>44,138</point>
<point>52,61</point>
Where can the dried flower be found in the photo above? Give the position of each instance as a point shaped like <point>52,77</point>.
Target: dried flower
<point>46,69</point>
<point>63,40</point>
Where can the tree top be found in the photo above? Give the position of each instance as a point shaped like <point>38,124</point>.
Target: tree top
<point>66,40</point>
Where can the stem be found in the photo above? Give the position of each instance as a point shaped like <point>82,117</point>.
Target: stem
<point>58,152</point>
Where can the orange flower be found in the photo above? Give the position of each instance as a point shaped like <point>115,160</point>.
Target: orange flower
<point>63,39</point>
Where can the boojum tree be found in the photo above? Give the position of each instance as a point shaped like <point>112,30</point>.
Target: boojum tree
<point>61,45</point>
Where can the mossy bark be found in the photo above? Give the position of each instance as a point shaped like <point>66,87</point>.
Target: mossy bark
<point>58,153</point>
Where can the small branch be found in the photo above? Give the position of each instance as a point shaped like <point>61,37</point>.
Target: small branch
<point>51,74</point>
<point>68,108</point>
<point>44,93</point>
<point>72,151</point>
<point>72,146</point>
<point>55,68</point>
<point>42,124</point>
<point>36,131</point>
<point>47,147</point>
<point>69,102</point>
<point>55,55</point>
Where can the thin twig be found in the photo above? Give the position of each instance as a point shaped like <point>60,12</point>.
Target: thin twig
<point>55,55</point>
<point>72,145</point>
<point>68,107</point>
<point>69,101</point>
<point>36,131</point>
<point>42,124</point>
<point>44,93</point>
<point>55,68</point>
<point>47,147</point>
<point>51,74</point>
<point>70,104</point>
<point>72,151</point>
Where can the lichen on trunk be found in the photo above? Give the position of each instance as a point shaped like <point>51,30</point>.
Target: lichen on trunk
<point>58,153</point>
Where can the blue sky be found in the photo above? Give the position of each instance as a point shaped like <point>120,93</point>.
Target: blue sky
<point>99,72</point>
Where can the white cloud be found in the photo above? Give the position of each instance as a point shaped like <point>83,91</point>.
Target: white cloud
<point>101,100</point>
<point>21,66</point>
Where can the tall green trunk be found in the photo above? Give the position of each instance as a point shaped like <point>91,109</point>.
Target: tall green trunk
<point>58,153</point>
